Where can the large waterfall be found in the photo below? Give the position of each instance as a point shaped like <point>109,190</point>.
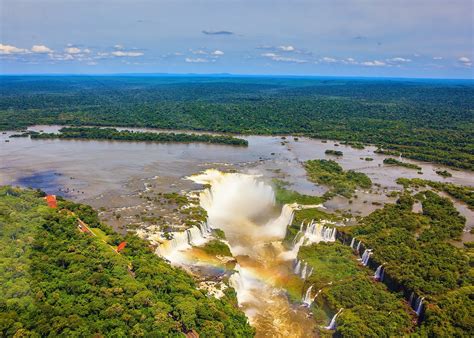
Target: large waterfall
<point>243,206</point>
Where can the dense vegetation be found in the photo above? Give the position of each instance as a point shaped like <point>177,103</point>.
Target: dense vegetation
<point>425,120</point>
<point>370,310</point>
<point>58,281</point>
<point>416,253</point>
<point>392,161</point>
<point>334,152</point>
<point>126,135</point>
<point>283,195</point>
<point>462,193</point>
<point>330,173</point>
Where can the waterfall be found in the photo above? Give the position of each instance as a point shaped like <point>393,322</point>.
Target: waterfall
<point>310,273</point>
<point>353,242</point>
<point>304,271</point>
<point>307,297</point>
<point>358,246</point>
<point>365,257</point>
<point>317,294</point>
<point>332,324</point>
<point>410,301</point>
<point>183,240</point>
<point>378,275</point>
<point>419,305</point>
<point>297,268</point>
<point>317,232</point>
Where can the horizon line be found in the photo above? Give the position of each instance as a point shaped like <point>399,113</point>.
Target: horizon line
<point>235,75</point>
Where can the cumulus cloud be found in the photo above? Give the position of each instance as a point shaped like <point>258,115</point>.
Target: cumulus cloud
<point>72,50</point>
<point>465,61</point>
<point>217,32</point>
<point>8,49</point>
<point>217,52</point>
<point>120,53</point>
<point>41,49</point>
<point>287,48</point>
<point>375,63</point>
<point>196,60</point>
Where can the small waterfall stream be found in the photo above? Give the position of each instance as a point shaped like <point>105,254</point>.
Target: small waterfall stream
<point>332,324</point>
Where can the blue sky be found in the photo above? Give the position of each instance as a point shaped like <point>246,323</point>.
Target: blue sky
<point>404,38</point>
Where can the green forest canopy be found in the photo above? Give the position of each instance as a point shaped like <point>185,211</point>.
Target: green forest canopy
<point>57,281</point>
<point>429,120</point>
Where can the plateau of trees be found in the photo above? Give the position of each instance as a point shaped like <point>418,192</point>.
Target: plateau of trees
<point>58,281</point>
<point>393,161</point>
<point>330,173</point>
<point>94,133</point>
<point>424,120</point>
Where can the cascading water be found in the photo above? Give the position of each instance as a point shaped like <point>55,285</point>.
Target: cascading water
<point>352,242</point>
<point>358,246</point>
<point>307,300</point>
<point>378,275</point>
<point>419,305</point>
<point>242,206</point>
<point>183,240</point>
<point>332,324</point>
<point>304,271</point>
<point>297,268</point>
<point>365,257</point>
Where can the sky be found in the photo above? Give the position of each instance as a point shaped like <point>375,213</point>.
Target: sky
<point>371,38</point>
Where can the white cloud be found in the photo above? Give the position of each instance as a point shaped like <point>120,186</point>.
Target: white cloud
<point>350,61</point>
<point>278,58</point>
<point>328,59</point>
<point>375,63</point>
<point>196,60</point>
<point>91,63</point>
<point>61,57</point>
<point>465,61</point>
<point>8,49</point>
<point>41,49</point>
<point>217,52</point>
<point>437,58</point>
<point>287,48</point>
<point>123,54</point>
<point>398,60</point>
<point>72,50</point>
<point>199,52</point>
<point>118,46</point>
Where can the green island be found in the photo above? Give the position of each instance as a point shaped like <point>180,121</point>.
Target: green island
<point>424,120</point>
<point>444,173</point>
<point>334,152</point>
<point>58,281</point>
<point>341,182</point>
<point>462,193</point>
<point>395,162</point>
<point>93,133</point>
